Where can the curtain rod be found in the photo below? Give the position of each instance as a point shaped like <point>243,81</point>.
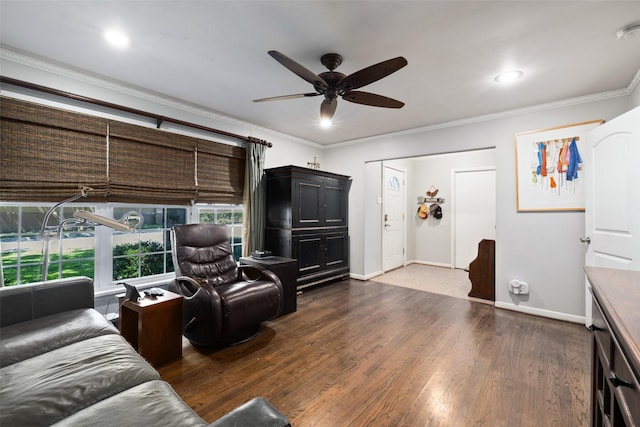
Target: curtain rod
<point>159,119</point>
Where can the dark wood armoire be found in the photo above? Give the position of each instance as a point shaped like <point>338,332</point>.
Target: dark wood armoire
<point>307,213</point>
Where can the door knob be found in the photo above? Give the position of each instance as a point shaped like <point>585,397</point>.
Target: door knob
<point>586,240</point>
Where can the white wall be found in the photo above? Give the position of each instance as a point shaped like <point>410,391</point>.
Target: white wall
<point>540,248</point>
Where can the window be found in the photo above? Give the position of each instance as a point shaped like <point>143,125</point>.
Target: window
<point>108,256</point>
<point>229,215</point>
<point>23,248</point>
<point>146,252</point>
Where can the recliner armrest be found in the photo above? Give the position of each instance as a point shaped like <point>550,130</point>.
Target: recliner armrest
<point>201,307</point>
<point>254,272</point>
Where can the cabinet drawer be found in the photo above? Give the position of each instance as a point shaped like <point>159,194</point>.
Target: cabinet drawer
<point>626,384</point>
<point>601,332</point>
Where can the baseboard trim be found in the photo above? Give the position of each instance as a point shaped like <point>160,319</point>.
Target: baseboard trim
<point>541,312</point>
<point>364,277</point>
<point>435,264</point>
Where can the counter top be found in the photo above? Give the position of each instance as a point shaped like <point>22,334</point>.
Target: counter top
<point>618,292</point>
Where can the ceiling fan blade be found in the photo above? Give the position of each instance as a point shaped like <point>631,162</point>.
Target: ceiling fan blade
<point>298,69</point>
<point>371,74</point>
<point>372,99</point>
<point>328,108</point>
<point>279,98</point>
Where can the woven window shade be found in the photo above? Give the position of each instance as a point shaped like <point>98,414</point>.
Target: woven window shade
<point>220,173</point>
<point>150,166</point>
<point>46,153</point>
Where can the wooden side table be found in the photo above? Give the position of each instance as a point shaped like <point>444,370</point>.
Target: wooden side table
<point>287,271</point>
<point>153,326</point>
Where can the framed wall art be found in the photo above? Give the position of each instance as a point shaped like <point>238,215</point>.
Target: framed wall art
<point>550,167</point>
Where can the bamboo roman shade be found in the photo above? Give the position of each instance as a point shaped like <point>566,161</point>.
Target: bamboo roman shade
<point>158,165</point>
<point>218,173</point>
<point>47,153</point>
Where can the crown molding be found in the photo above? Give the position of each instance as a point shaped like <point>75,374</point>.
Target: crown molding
<point>496,116</point>
<point>65,71</point>
<point>634,83</point>
<point>99,81</point>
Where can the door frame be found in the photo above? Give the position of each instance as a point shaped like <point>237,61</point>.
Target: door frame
<point>384,240</point>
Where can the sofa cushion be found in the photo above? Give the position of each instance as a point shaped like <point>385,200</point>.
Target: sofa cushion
<point>256,412</point>
<point>153,403</point>
<point>23,340</point>
<point>30,301</point>
<point>49,387</point>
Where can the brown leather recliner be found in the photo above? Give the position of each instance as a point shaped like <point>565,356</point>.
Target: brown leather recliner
<point>223,303</point>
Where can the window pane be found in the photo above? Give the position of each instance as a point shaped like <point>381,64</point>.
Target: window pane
<point>78,268</point>
<point>147,251</point>
<point>151,264</point>
<point>176,216</point>
<point>225,217</point>
<point>237,216</point>
<point>22,245</point>
<point>169,263</point>
<point>237,251</point>
<point>125,267</point>
<point>30,273</point>
<point>207,216</point>
<point>32,217</point>
<point>29,241</point>
<point>10,275</point>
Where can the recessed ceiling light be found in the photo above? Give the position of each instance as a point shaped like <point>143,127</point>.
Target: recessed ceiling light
<point>508,76</point>
<point>116,38</point>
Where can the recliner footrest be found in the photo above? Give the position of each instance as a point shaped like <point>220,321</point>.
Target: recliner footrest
<point>256,412</point>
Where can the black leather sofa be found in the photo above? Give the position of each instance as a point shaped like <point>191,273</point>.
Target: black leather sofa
<point>62,363</point>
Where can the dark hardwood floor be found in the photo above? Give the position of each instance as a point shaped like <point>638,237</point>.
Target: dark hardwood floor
<point>369,354</point>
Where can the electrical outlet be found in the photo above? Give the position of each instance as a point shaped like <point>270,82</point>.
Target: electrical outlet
<point>518,287</point>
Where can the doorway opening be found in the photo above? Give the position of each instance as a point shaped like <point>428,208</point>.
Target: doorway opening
<point>432,240</point>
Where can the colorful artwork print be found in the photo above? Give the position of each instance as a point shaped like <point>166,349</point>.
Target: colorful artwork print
<point>555,164</point>
<point>550,168</point>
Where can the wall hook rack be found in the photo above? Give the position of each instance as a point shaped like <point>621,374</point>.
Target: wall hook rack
<point>438,200</point>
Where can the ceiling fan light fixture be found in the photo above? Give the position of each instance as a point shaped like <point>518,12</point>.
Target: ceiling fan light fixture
<point>508,76</point>
<point>333,84</point>
<point>325,122</point>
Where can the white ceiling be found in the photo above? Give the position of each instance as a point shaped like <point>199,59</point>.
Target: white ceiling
<point>214,54</point>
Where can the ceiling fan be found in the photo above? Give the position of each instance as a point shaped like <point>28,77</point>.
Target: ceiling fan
<point>332,84</point>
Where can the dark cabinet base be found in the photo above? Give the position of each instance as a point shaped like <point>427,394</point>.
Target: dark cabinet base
<point>322,255</point>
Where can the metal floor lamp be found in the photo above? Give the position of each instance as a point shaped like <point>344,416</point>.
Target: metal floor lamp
<point>80,218</point>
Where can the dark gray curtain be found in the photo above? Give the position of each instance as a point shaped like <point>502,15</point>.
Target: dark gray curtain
<point>254,203</point>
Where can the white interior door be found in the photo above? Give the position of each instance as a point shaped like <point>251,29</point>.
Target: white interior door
<point>474,207</point>
<point>612,196</point>
<point>393,218</point>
